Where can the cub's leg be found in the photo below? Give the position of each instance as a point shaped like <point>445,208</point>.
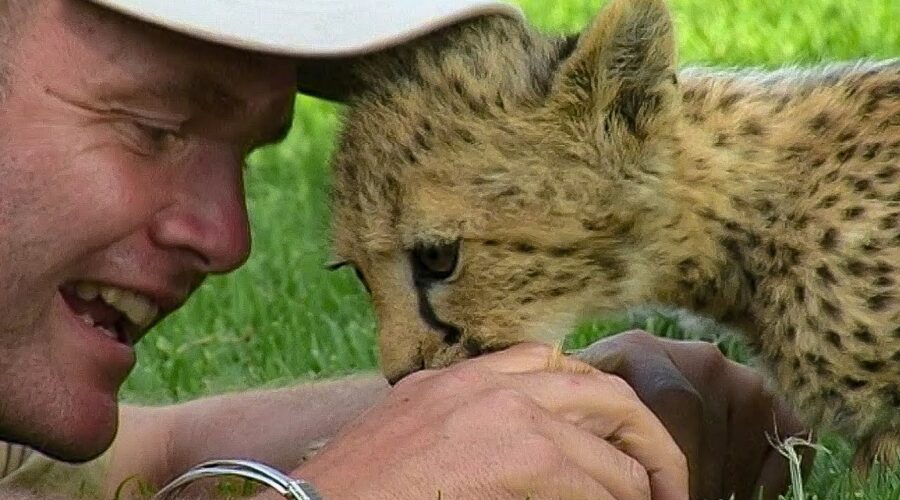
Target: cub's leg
<point>883,447</point>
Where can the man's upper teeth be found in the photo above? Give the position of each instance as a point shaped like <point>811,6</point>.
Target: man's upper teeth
<point>111,295</point>
<point>87,291</point>
<point>139,310</point>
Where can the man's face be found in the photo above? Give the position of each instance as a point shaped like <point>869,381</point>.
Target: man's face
<point>121,156</point>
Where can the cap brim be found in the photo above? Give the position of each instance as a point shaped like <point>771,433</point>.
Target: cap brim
<point>314,30</point>
<point>308,28</point>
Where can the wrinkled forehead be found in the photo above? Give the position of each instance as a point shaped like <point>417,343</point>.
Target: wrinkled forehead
<point>120,54</point>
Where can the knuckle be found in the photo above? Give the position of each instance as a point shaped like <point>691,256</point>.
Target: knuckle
<point>621,342</point>
<point>674,393</point>
<point>492,408</point>
<point>676,459</point>
<point>542,453</point>
<point>636,477</point>
<point>708,352</point>
<point>635,342</point>
<point>711,351</point>
<point>477,414</point>
<point>465,375</point>
<point>468,372</point>
<point>640,481</point>
<point>638,336</point>
<point>509,402</point>
<point>619,385</point>
<point>608,357</point>
<point>710,360</point>
<point>464,420</point>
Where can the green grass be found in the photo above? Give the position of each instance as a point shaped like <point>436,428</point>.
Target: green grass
<point>282,317</point>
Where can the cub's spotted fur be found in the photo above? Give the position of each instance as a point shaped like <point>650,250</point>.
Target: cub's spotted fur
<point>496,185</point>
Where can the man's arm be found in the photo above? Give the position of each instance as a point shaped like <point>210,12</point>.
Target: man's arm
<point>496,427</point>
<point>275,427</point>
<point>17,494</point>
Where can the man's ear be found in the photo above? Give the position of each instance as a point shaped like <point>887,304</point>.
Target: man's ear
<point>621,74</point>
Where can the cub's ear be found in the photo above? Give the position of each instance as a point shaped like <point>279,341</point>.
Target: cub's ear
<point>621,74</point>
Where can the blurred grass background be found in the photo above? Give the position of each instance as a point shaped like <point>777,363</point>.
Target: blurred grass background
<point>282,317</point>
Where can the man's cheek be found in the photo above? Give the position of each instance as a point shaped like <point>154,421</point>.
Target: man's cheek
<point>107,198</point>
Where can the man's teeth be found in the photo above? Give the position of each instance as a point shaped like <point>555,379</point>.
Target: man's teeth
<point>88,320</point>
<point>136,308</point>
<point>87,291</point>
<point>111,295</point>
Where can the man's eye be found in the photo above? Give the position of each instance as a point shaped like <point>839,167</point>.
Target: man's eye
<point>435,262</point>
<point>156,134</point>
<point>149,138</point>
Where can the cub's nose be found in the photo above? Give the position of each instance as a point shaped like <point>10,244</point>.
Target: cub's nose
<point>400,375</point>
<point>441,356</point>
<point>473,347</point>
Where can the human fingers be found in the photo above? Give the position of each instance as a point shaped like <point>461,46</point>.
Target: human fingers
<point>470,374</point>
<point>528,357</point>
<point>607,407</point>
<point>569,482</point>
<point>627,350</point>
<point>694,416</point>
<point>521,358</point>
<point>622,476</point>
<point>561,479</point>
<point>527,448</point>
<point>756,419</point>
<point>682,411</point>
<point>702,396</point>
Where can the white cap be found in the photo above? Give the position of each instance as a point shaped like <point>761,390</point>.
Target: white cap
<point>323,34</point>
<point>308,28</point>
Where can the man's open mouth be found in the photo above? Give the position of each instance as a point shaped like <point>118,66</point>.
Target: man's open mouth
<point>119,314</point>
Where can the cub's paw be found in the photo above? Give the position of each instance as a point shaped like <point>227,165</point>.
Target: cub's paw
<point>883,448</point>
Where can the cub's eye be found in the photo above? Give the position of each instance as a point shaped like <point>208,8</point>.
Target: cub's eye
<point>359,274</point>
<point>362,279</point>
<point>435,262</point>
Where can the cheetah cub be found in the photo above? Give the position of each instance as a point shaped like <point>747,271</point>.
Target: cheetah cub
<point>496,185</point>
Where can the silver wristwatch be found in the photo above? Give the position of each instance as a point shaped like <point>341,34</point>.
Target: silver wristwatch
<point>288,487</point>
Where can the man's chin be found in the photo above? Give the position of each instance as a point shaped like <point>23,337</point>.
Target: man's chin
<point>82,443</point>
<point>69,447</point>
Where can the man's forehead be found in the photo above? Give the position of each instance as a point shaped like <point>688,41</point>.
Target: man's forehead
<point>181,91</point>
<point>165,63</point>
<point>106,62</point>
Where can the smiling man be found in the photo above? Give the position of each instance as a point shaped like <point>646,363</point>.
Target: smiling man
<point>122,189</point>
<point>123,129</point>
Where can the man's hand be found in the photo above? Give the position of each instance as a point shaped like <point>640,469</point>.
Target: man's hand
<point>501,427</point>
<point>719,412</point>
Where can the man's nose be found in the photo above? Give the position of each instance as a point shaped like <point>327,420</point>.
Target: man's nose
<point>208,219</point>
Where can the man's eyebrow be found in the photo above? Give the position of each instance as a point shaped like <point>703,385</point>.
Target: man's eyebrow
<point>199,93</point>
<point>206,94</point>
